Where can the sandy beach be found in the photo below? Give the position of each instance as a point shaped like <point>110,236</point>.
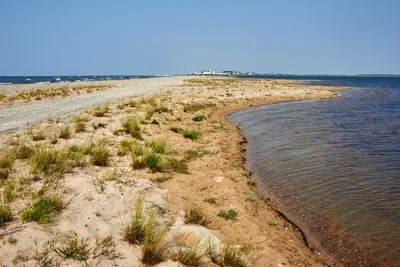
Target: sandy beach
<point>162,146</point>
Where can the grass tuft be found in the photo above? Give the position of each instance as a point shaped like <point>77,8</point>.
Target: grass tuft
<point>100,111</point>
<point>188,256</point>
<point>155,122</point>
<point>5,214</point>
<point>100,156</point>
<point>48,160</point>
<point>38,136</point>
<point>42,210</point>
<point>65,133</point>
<point>157,145</point>
<point>132,127</point>
<point>74,249</point>
<point>191,134</point>
<point>210,200</point>
<point>23,151</point>
<point>6,160</point>
<point>4,174</point>
<point>195,215</point>
<point>179,166</point>
<point>231,214</point>
<point>176,129</point>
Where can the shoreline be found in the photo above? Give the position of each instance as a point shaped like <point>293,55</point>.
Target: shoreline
<point>214,173</point>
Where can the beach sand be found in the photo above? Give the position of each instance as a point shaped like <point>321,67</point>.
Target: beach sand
<point>98,200</point>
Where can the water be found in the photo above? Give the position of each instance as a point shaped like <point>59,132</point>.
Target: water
<point>65,79</point>
<point>339,158</point>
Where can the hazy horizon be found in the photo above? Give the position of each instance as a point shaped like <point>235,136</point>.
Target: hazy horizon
<point>51,38</point>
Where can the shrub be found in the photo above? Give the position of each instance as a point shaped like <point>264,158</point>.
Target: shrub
<point>42,210</point>
<point>5,214</point>
<point>155,122</point>
<point>65,133</point>
<point>163,179</point>
<point>199,118</point>
<point>48,160</point>
<point>100,156</point>
<point>195,215</point>
<point>8,189</point>
<point>191,134</point>
<point>231,214</point>
<point>193,108</point>
<point>131,126</point>
<point>23,152</point>
<point>6,160</point>
<point>192,154</point>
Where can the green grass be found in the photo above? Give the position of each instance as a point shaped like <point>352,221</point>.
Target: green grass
<point>155,122</point>
<point>65,133</point>
<point>149,114</point>
<point>195,215</point>
<point>23,151</point>
<point>154,248</point>
<point>231,214</point>
<point>157,145</point>
<point>100,156</point>
<point>188,256</point>
<point>74,248</point>
<point>193,154</point>
<point>252,199</point>
<point>154,162</point>
<point>132,127</point>
<point>210,200</point>
<point>8,189</point>
<point>47,160</point>
<point>5,214</point>
<point>176,129</point>
<point>42,210</point>
<point>272,223</point>
<point>6,160</point>
<point>193,108</point>
<point>191,134</point>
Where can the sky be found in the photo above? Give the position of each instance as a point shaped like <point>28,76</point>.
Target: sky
<point>98,37</point>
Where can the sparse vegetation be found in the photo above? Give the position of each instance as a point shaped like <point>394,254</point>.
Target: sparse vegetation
<point>193,154</point>
<point>42,210</point>
<point>6,160</point>
<point>149,114</point>
<point>5,214</point>
<point>210,200</point>
<point>231,214</point>
<point>155,122</point>
<point>100,111</point>
<point>46,160</point>
<point>191,134</point>
<point>8,189</point>
<point>179,166</point>
<point>23,151</point>
<point>38,136</point>
<point>195,215</point>
<point>131,126</point>
<point>229,255</point>
<point>161,109</point>
<point>176,129</point>
<point>157,145</point>
<point>74,248</point>
<point>188,256</point>
<point>162,179</point>
<point>4,174</point>
<point>100,156</point>
<point>272,223</point>
<point>65,132</point>
<point>80,124</point>
<point>252,199</point>
<point>199,118</point>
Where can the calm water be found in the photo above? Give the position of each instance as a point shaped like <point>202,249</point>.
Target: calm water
<point>339,157</point>
<point>64,79</point>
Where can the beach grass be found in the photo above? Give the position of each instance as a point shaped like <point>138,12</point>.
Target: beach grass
<point>42,210</point>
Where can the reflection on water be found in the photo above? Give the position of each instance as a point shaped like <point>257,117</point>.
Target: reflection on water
<point>341,154</point>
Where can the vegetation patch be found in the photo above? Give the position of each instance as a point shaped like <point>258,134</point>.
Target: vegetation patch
<point>100,156</point>
<point>6,160</point>
<point>46,160</point>
<point>5,214</point>
<point>210,200</point>
<point>196,107</point>
<point>195,215</point>
<point>231,214</point>
<point>65,133</point>
<point>132,127</point>
<point>176,129</point>
<point>42,210</point>
<point>193,154</point>
<point>23,151</point>
<point>199,118</point>
<point>74,248</point>
<point>191,134</point>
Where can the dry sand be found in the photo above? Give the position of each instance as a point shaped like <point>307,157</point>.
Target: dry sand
<point>97,207</point>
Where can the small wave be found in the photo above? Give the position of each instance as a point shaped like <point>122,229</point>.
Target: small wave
<point>42,82</point>
<point>6,83</point>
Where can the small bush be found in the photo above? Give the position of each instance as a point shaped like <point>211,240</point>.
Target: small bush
<point>74,249</point>
<point>42,210</point>
<point>48,160</point>
<point>125,146</point>
<point>195,215</point>
<point>176,129</point>
<point>252,199</point>
<point>6,160</point>
<point>191,134</point>
<point>5,214</point>
<point>65,133</point>
<point>131,126</point>
<point>231,214</point>
<point>100,111</point>
<point>155,122</point>
<point>79,126</point>
<point>23,152</point>
<point>100,156</point>
<point>210,200</point>
<point>132,103</point>
<point>199,118</point>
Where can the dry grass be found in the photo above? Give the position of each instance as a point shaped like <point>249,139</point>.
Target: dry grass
<point>195,215</point>
<point>47,160</point>
<point>23,151</point>
<point>131,126</point>
<point>100,156</point>
<point>6,160</point>
<point>5,214</point>
<point>65,133</point>
<point>74,248</point>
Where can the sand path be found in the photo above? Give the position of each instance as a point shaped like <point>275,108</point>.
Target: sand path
<point>14,118</point>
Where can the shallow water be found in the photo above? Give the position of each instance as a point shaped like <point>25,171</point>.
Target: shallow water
<point>341,155</point>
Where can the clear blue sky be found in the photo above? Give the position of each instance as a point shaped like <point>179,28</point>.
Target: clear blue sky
<point>51,37</point>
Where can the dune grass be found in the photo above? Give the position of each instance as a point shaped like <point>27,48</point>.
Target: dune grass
<point>195,215</point>
<point>132,127</point>
<point>231,214</point>
<point>6,160</point>
<point>65,133</point>
<point>230,255</point>
<point>5,214</point>
<point>74,248</point>
<point>188,256</point>
<point>4,174</point>
<point>101,110</point>
<point>80,124</point>
<point>42,210</point>
<point>23,151</point>
<point>191,134</point>
<point>46,160</point>
<point>100,156</point>
<point>157,145</point>
<point>38,136</point>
